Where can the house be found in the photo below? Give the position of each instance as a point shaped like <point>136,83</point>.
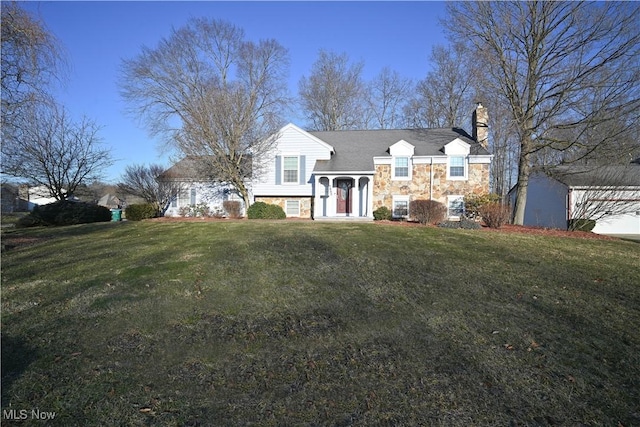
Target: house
<point>193,190</point>
<point>10,200</point>
<point>110,201</point>
<point>350,174</point>
<point>35,196</point>
<point>609,194</point>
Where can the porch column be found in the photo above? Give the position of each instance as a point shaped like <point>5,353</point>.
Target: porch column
<point>322,196</point>
<point>361,199</point>
<point>355,199</point>
<point>317,197</point>
<point>331,201</point>
<point>370,197</point>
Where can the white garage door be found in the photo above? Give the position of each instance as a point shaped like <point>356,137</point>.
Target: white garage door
<point>619,224</point>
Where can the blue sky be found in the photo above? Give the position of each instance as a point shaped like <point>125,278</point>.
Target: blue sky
<point>98,35</point>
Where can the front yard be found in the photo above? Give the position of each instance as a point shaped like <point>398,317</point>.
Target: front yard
<point>302,323</point>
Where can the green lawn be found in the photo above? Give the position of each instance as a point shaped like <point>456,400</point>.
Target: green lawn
<point>302,323</point>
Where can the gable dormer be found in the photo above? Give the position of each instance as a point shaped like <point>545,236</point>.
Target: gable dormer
<point>457,152</point>
<point>457,147</point>
<point>401,164</point>
<point>402,148</point>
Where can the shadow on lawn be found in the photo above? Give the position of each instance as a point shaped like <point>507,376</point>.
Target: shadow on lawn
<point>17,355</point>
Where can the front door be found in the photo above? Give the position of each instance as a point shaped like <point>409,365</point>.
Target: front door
<point>343,203</point>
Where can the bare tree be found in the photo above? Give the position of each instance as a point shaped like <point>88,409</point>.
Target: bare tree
<point>52,150</point>
<point>544,59</point>
<point>32,59</point>
<point>446,95</point>
<point>212,95</point>
<point>142,181</point>
<point>333,97</point>
<point>386,95</point>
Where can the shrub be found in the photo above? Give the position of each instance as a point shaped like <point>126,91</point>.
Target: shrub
<point>256,210</point>
<point>65,212</point>
<point>581,224</point>
<point>463,223</point>
<point>140,211</point>
<point>192,211</point>
<point>382,213</point>
<point>201,210</point>
<point>275,212</point>
<point>185,211</point>
<point>30,221</point>
<point>233,208</point>
<point>262,210</point>
<point>468,224</point>
<point>495,215</point>
<point>474,202</point>
<point>427,211</point>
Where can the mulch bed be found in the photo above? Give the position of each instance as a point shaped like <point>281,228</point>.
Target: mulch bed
<point>549,232</point>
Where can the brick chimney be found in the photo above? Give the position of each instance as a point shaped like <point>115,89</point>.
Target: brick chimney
<point>480,125</point>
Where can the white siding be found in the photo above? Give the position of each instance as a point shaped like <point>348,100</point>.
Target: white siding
<point>292,141</point>
<point>212,195</point>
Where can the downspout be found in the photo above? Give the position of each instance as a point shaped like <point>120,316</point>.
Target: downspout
<point>431,178</point>
<point>569,204</point>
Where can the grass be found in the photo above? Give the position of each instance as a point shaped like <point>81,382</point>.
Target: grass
<point>299,323</point>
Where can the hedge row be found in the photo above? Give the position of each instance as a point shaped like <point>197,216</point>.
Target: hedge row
<point>65,212</point>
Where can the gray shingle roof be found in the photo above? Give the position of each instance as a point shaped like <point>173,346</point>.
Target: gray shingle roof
<point>192,168</point>
<point>602,176</point>
<point>356,149</point>
<point>186,169</point>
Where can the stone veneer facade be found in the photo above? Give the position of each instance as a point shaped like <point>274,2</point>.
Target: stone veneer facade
<point>384,188</point>
<point>305,204</point>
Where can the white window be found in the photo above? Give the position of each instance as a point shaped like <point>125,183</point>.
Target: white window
<point>455,205</point>
<point>183,197</point>
<point>290,169</point>
<point>457,168</point>
<point>193,196</point>
<point>293,208</point>
<point>400,206</point>
<point>401,168</point>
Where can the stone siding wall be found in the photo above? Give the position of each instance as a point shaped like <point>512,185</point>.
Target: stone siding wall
<point>305,204</point>
<point>384,188</point>
<point>477,183</point>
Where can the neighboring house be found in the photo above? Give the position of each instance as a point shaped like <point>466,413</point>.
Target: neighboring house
<point>36,196</point>
<point>610,195</point>
<point>9,198</point>
<point>349,174</point>
<point>110,201</point>
<point>193,190</point>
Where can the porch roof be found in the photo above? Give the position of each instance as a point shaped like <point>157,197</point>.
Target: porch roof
<point>355,150</point>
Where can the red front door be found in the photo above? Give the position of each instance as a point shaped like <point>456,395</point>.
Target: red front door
<point>343,205</point>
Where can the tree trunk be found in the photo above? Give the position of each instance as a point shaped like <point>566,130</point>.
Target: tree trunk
<point>524,169</point>
<point>242,189</point>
